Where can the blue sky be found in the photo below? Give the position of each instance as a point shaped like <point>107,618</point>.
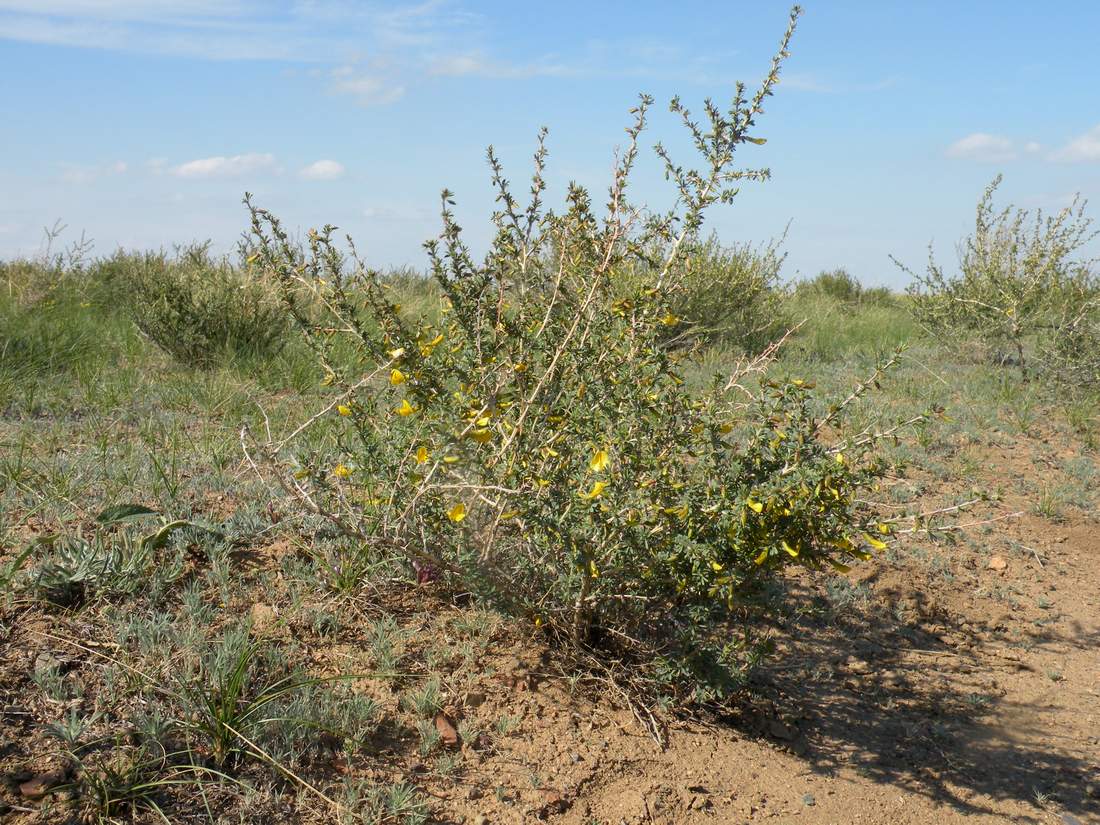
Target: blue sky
<point>142,122</point>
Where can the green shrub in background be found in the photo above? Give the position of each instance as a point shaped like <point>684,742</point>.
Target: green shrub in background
<point>537,445</point>
<point>841,285</point>
<point>199,309</point>
<point>728,295</point>
<point>1022,294</point>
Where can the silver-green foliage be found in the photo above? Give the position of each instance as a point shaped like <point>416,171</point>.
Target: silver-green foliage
<point>1023,292</point>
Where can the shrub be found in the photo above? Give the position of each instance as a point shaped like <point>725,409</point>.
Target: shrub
<point>728,295</point>
<point>197,308</point>
<point>1021,294</point>
<point>841,285</point>
<point>538,446</point>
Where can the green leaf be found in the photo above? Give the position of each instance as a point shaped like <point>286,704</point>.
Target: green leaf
<point>124,512</point>
<point>158,539</point>
<point>757,141</point>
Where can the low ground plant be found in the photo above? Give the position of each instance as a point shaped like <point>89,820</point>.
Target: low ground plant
<point>537,446</point>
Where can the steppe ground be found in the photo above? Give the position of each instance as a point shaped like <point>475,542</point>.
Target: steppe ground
<point>956,677</point>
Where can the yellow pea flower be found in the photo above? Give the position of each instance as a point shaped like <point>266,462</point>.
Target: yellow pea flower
<point>422,455</point>
<point>457,513</point>
<point>406,408</point>
<point>595,492</point>
<point>396,377</point>
<point>791,551</point>
<point>343,409</point>
<point>397,353</point>
<point>763,557</point>
<point>341,471</point>
<point>754,505</point>
<point>482,435</point>
<point>600,461</point>
<point>876,543</point>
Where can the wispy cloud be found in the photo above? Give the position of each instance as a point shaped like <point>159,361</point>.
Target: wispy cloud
<point>1081,149</point>
<point>226,167</point>
<point>478,64</point>
<point>368,87</point>
<point>80,174</point>
<point>322,170</point>
<point>984,148</point>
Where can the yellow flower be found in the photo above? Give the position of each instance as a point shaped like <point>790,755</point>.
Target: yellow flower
<point>457,513</point>
<point>754,505</point>
<point>450,459</point>
<point>763,557</point>
<point>791,551</point>
<point>871,540</point>
<point>600,461</point>
<point>396,377</point>
<point>482,435</point>
<point>343,409</point>
<point>406,408</point>
<point>670,320</point>
<point>397,353</point>
<point>422,455</point>
<point>595,492</point>
<point>341,471</point>
<point>426,349</point>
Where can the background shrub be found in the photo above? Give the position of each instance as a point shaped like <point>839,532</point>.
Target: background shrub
<point>197,308</point>
<point>727,295</point>
<point>1021,292</point>
<point>841,285</point>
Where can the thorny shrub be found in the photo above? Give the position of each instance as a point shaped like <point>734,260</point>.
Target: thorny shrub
<point>1022,293</point>
<point>538,447</point>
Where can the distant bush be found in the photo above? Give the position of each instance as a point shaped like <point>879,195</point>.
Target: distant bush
<point>538,446</point>
<point>841,285</point>
<point>728,295</point>
<point>1021,293</point>
<point>197,308</point>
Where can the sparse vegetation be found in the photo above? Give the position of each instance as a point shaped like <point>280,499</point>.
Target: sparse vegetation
<point>495,521</point>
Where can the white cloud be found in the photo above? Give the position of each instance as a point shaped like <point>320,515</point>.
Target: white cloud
<point>1033,147</point>
<point>1082,149</point>
<point>983,147</point>
<point>323,170</point>
<point>226,167</point>
<point>368,90</point>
